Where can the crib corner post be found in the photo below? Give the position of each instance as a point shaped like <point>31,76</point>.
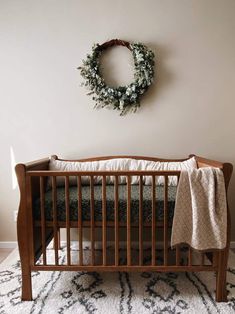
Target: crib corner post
<point>22,235</point>
<point>221,275</point>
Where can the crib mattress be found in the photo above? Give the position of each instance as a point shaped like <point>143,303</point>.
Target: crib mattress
<point>122,203</point>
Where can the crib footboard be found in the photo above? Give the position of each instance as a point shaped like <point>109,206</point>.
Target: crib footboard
<point>140,229</point>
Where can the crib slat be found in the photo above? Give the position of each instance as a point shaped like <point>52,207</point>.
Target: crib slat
<point>215,257</point>
<point>116,221</point>
<point>177,254</point>
<point>177,250</point>
<point>153,222</point>
<point>189,256</point>
<point>166,221</point>
<point>129,220</point>
<point>92,221</point>
<point>31,220</point>
<point>104,221</point>
<point>67,219</point>
<point>141,221</point>
<point>178,177</point>
<point>43,225</point>
<point>55,225</point>
<point>79,186</point>
<point>202,259</point>
<point>58,237</point>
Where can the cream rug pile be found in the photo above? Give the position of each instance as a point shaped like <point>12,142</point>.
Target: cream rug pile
<point>81,292</point>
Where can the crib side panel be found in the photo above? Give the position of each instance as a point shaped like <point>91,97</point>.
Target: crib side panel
<point>128,253</point>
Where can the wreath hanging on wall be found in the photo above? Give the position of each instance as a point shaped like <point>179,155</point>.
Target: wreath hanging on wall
<point>123,98</point>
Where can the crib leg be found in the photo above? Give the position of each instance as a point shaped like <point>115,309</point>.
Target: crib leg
<point>221,291</point>
<point>26,285</point>
<point>25,266</point>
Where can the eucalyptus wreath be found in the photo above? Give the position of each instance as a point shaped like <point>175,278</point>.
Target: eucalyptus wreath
<point>122,98</point>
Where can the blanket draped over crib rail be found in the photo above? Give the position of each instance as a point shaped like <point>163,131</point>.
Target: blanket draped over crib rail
<point>200,218</point>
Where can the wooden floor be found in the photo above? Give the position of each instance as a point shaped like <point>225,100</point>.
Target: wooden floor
<point>4,253</point>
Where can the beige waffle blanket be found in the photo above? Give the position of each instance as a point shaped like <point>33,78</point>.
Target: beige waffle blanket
<point>200,217</point>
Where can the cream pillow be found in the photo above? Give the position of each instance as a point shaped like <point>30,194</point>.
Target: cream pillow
<point>122,164</point>
<point>101,165</point>
<point>171,165</point>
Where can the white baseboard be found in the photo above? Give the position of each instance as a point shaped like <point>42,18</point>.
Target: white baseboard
<point>8,245</point>
<point>13,244</point>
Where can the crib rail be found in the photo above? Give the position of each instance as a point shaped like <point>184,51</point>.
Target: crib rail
<point>48,173</point>
<point>159,247</point>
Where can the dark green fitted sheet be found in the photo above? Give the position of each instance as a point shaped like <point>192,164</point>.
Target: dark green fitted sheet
<point>122,189</point>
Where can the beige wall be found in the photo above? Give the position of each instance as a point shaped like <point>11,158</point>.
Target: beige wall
<point>43,110</point>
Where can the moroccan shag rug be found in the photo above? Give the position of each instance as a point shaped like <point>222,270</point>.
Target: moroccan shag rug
<point>82,292</point>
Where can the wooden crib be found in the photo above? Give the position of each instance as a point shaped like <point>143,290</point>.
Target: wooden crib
<point>35,232</point>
